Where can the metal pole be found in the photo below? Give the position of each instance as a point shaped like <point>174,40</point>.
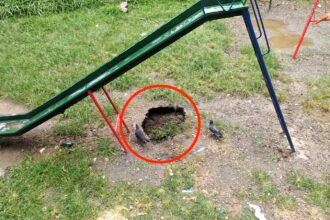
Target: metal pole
<point>91,95</point>
<point>114,105</point>
<point>268,81</point>
<point>301,39</point>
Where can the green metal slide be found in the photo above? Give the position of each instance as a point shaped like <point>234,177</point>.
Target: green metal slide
<point>193,17</point>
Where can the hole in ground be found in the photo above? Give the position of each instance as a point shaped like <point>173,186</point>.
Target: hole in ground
<point>162,122</point>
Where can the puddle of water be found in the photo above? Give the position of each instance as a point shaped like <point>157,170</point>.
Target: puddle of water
<point>272,24</point>
<point>286,41</point>
<point>279,35</point>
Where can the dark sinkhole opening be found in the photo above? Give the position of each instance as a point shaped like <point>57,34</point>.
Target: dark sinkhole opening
<point>162,122</point>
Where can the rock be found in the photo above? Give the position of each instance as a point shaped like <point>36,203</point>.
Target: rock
<point>123,7</point>
<point>67,144</point>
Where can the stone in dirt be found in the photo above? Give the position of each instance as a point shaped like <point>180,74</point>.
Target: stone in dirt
<point>123,7</point>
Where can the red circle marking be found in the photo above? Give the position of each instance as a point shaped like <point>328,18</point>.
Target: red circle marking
<point>121,119</point>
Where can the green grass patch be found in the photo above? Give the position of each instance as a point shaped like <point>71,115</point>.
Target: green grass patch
<point>164,94</point>
<point>56,187</point>
<point>318,193</point>
<point>266,192</point>
<point>106,149</point>
<point>319,94</point>
<point>169,129</point>
<point>9,8</point>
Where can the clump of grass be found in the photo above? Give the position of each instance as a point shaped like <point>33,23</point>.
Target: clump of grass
<point>163,94</point>
<point>282,96</point>
<point>318,193</point>
<point>10,8</point>
<point>75,119</point>
<point>266,192</point>
<point>169,129</point>
<point>320,94</point>
<point>106,149</point>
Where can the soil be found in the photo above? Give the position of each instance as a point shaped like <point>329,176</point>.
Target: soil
<point>253,135</point>
<point>14,149</point>
<point>157,118</point>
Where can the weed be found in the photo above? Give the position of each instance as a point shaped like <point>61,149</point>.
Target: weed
<point>258,139</point>
<point>169,129</point>
<point>163,94</point>
<point>318,193</point>
<point>106,149</point>
<point>320,94</point>
<point>282,96</point>
<point>267,192</point>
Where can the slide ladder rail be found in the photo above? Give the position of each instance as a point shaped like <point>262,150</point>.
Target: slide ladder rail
<point>260,24</point>
<point>256,12</point>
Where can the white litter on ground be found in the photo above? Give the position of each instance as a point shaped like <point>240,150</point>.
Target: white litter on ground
<point>187,191</point>
<point>257,212</point>
<point>42,150</point>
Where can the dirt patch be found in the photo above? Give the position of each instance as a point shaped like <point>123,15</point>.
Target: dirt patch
<point>113,214</point>
<point>163,122</point>
<point>14,149</point>
<point>9,107</point>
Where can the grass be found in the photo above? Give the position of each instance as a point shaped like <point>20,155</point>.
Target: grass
<point>11,8</point>
<point>56,187</point>
<point>319,94</point>
<point>106,149</point>
<point>267,192</point>
<point>41,56</point>
<point>164,94</point>
<point>169,129</point>
<point>318,193</point>
<point>65,186</point>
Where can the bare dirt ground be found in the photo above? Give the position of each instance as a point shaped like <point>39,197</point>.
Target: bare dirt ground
<point>254,136</point>
<point>13,149</point>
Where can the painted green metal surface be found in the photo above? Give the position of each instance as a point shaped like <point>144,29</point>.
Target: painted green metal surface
<point>193,17</point>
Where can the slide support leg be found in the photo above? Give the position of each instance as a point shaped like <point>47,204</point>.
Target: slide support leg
<point>268,81</point>
<point>105,117</point>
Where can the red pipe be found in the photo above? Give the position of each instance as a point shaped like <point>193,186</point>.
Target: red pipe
<point>91,95</point>
<point>305,29</point>
<point>113,105</point>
